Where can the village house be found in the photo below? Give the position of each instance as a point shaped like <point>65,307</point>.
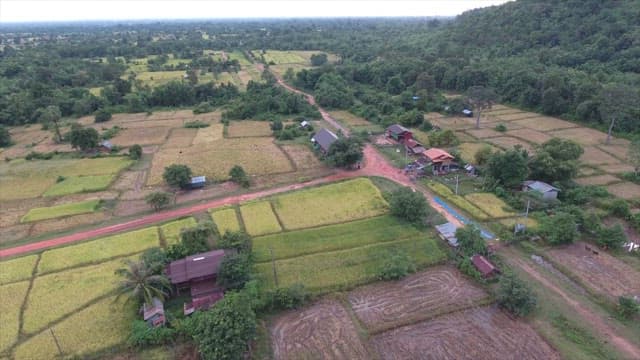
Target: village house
<point>105,146</point>
<point>413,147</point>
<point>439,160</point>
<point>153,313</point>
<point>399,133</point>
<point>447,232</point>
<point>486,268</point>
<point>547,191</point>
<point>197,274</point>
<point>323,139</point>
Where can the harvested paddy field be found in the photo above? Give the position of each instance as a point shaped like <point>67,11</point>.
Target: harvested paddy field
<point>180,138</point>
<point>581,135</point>
<point>601,272</point>
<point>483,333</point>
<point>321,331</point>
<point>597,180</point>
<point>490,204</point>
<point>544,123</point>
<point>530,135</point>
<point>248,128</point>
<point>626,190</point>
<point>302,156</point>
<point>141,136</point>
<point>617,168</point>
<point>468,150</point>
<point>348,118</point>
<point>210,134</point>
<point>507,142</point>
<point>483,133</point>
<point>594,156</point>
<point>454,123</point>
<point>512,116</point>
<point>415,298</point>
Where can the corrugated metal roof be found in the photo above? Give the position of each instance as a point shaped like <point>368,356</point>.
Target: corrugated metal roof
<point>540,186</point>
<point>195,266</point>
<point>325,138</point>
<point>483,265</point>
<point>198,179</point>
<point>397,129</point>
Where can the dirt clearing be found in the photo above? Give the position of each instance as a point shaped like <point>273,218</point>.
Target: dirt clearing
<point>530,135</point>
<point>625,190</point>
<point>594,156</point>
<point>543,123</point>
<point>483,333</point>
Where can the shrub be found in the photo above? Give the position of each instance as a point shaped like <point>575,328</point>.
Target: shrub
<point>483,155</point>
<point>155,259</point>
<point>409,205</point>
<point>135,152</point>
<point>158,199</point>
<point>110,133</point>
<point>102,115</point>
<point>515,296</point>
<point>276,125</point>
<point>620,208</point>
<point>203,107</point>
<point>628,307</point>
<point>291,297</point>
<point>470,241</point>
<point>196,124</point>
<point>560,229</point>
<point>443,138</point>
<point>396,266</point>
<point>500,128</point>
<point>177,175</point>
<point>5,136</point>
<point>238,240</point>
<point>426,125</point>
<point>235,271</point>
<point>143,335</point>
<point>196,239</point>
<point>239,176</point>
<point>60,179</point>
<point>611,237</point>
<point>466,267</point>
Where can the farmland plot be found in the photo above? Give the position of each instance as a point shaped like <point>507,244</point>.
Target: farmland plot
<point>52,212</point>
<point>418,297</point>
<point>141,136</point>
<point>507,142</point>
<point>248,128</point>
<point>581,135</point>
<point>594,156</point>
<point>17,269</point>
<point>171,231</point>
<point>321,331</point>
<point>209,134</point>
<point>79,184</point>
<point>625,190</point>
<point>483,333</point>
<point>180,138</point>
<point>544,124</point>
<point>530,135</point>
<point>490,204</point>
<point>259,219</point>
<point>226,220</point>
<point>483,133</point>
<point>468,150</point>
<point>597,180</point>
<point>302,156</point>
<point>11,297</point>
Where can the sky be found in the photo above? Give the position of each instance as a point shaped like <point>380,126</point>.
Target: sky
<point>74,10</point>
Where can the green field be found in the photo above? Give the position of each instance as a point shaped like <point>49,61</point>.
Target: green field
<point>80,184</point>
<point>238,55</point>
<point>98,250</point>
<point>281,57</point>
<point>259,219</point>
<point>58,294</point>
<point>344,269</point>
<point>226,220</point>
<point>17,269</point>
<point>171,231</point>
<point>11,297</point>
<point>330,204</point>
<point>333,237</point>
<point>491,204</point>
<point>457,200</point>
<point>53,212</point>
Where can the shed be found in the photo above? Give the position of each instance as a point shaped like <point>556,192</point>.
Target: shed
<point>467,112</point>
<point>106,145</point>
<point>153,313</point>
<point>304,124</point>
<point>197,182</point>
<point>413,147</point>
<point>195,268</point>
<point>548,192</point>
<point>399,133</point>
<point>447,232</point>
<point>323,139</point>
<point>486,268</point>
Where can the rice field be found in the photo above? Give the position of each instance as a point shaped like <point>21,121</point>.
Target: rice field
<point>281,57</point>
<point>209,134</point>
<point>302,156</point>
<point>468,150</point>
<point>80,184</point>
<point>581,135</point>
<point>180,138</point>
<point>530,135</point>
<point>625,190</point>
<point>171,231</point>
<point>544,123</point>
<point>238,55</point>
<point>155,78</point>
<point>98,250</point>
<point>594,156</point>
<point>259,219</point>
<point>349,118</point>
<point>11,297</point>
<point>17,269</point>
<point>598,180</point>
<point>490,204</point>
<point>457,200</point>
<point>507,142</point>
<point>226,220</point>
<point>330,204</point>
<point>141,136</point>
<point>248,128</point>
<point>52,212</point>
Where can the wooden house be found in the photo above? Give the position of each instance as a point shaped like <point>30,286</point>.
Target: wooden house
<point>323,139</point>
<point>484,266</point>
<point>399,133</point>
<point>439,159</point>
<point>153,313</point>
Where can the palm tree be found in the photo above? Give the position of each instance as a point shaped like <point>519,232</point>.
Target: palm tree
<point>140,284</point>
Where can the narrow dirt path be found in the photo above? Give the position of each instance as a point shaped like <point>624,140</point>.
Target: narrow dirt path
<point>604,330</point>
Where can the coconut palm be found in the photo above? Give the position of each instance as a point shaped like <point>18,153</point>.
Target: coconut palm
<point>140,284</point>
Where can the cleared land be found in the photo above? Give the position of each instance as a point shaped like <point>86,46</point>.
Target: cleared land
<point>98,250</point>
<point>171,231</point>
<point>491,204</point>
<point>468,150</point>
<point>484,333</point>
<point>597,180</point>
<point>330,238</point>
<point>594,156</point>
<point>330,204</point>
<point>602,272</point>
<point>302,156</point>
<point>17,269</point>
<point>259,219</point>
<point>415,298</point>
<point>530,135</point>
<point>321,331</point>
<point>52,212</point>
<point>11,297</point>
<point>625,190</point>
<point>79,184</point>
<point>226,220</point>
<point>248,128</point>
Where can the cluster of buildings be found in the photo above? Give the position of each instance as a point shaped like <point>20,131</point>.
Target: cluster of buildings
<point>433,160</point>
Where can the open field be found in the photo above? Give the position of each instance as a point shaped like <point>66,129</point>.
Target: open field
<point>238,55</point>
<point>52,212</point>
<point>79,184</point>
<point>17,269</point>
<point>507,142</point>
<point>226,220</point>
<point>248,128</point>
<point>330,238</point>
<point>180,138</point>
<point>329,204</point>
<point>61,293</point>
<point>597,180</point>
<point>281,69</point>
<point>484,133</point>
<point>454,123</point>
<point>626,190</point>
<point>155,78</point>
<point>491,204</point>
<point>171,231</point>
<point>544,123</point>
<point>258,156</point>
<point>581,135</point>
<point>321,331</point>
<point>209,134</point>
<point>348,118</point>
<point>281,57</point>
<point>11,297</point>
<point>259,219</point>
<point>594,156</point>
<point>530,135</point>
<point>603,273</point>
<point>483,333</point>
<point>347,268</point>
<point>98,250</point>
<point>468,150</point>
<point>141,136</point>
<point>302,156</point>
<point>415,298</point>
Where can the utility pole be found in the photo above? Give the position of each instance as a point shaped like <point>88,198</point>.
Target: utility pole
<point>273,264</point>
<point>526,215</point>
<point>456,184</point>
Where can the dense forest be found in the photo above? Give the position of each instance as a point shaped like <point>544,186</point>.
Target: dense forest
<point>562,58</point>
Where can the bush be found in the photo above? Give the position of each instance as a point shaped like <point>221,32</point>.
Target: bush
<point>426,125</point>
<point>611,237</point>
<point>620,208</point>
<point>396,266</point>
<point>466,267</point>
<point>276,125</point>
<point>500,128</point>
<point>110,133</point>
<point>470,241</point>
<point>409,205</point>
<point>238,240</point>
<point>628,307</point>
<point>158,199</point>
<point>143,335</point>
<point>196,239</point>
<point>155,259</point>
<point>203,107</point>
<point>196,124</point>
<point>239,176</point>
<point>135,152</point>
<point>177,175</point>
<point>235,271</point>
<point>443,138</point>
<point>291,297</point>
<point>34,155</point>
<point>102,115</point>
<point>5,136</point>
<point>483,155</point>
<point>515,296</point>
<point>560,229</point>
<point>60,179</point>
<point>345,152</point>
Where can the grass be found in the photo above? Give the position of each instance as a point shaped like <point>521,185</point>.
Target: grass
<point>397,158</point>
<point>155,78</point>
<point>457,200</point>
<point>330,238</point>
<point>580,337</point>
<point>490,204</point>
<point>468,150</point>
<point>347,268</point>
<point>11,297</point>
<point>226,220</point>
<point>259,219</point>
<point>238,55</point>
<point>247,128</point>
<point>171,231</point>
<point>281,57</point>
<point>97,250</point>
<point>53,212</point>
<point>330,204</point>
<point>17,269</point>
<point>62,293</point>
<point>80,184</point>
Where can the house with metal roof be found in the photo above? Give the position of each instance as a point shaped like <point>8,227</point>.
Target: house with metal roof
<point>547,191</point>
<point>399,133</point>
<point>153,314</point>
<point>323,139</point>
<point>484,266</point>
<point>197,182</point>
<point>447,232</point>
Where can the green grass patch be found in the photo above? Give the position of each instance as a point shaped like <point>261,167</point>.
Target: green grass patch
<point>457,200</point>
<point>330,204</point>
<point>491,204</point>
<point>17,269</point>
<point>59,294</point>
<point>80,184</point>
<point>171,231</point>
<point>11,297</point>
<point>259,219</point>
<point>580,337</point>
<point>345,269</point>
<point>397,156</point>
<point>281,57</point>
<point>238,55</point>
<point>226,220</point>
<point>53,212</point>
<point>330,238</point>
<point>98,250</point>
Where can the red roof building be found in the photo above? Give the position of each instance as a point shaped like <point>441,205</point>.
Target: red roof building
<point>438,156</point>
<point>483,265</point>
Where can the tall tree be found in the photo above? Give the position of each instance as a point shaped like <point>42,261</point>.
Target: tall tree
<point>509,168</point>
<point>345,152</point>
<point>51,115</point>
<point>177,175</point>
<point>5,136</point>
<point>83,138</point>
<point>480,98</point>
<point>617,102</point>
<point>634,155</point>
<point>140,284</point>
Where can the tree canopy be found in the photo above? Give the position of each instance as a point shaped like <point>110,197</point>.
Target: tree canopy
<point>177,175</point>
<point>345,152</point>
